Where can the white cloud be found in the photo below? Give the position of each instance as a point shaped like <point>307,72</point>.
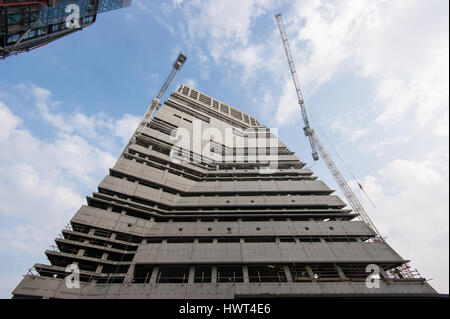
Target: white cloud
<point>349,125</point>
<point>402,51</point>
<point>8,122</point>
<point>126,126</point>
<point>191,83</point>
<point>224,23</point>
<point>43,181</point>
<point>411,196</point>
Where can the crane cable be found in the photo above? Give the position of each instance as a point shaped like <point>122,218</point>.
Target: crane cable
<point>342,160</point>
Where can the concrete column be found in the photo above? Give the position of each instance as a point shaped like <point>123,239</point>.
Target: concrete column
<point>99,268</point>
<point>213,274</point>
<point>80,252</point>
<point>129,275</point>
<point>191,274</point>
<point>340,272</point>
<point>154,275</point>
<point>245,273</point>
<point>287,271</point>
<point>310,273</point>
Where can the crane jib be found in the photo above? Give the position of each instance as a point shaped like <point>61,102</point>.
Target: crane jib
<point>315,142</point>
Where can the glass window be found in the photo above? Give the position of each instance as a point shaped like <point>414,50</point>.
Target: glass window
<point>13,38</point>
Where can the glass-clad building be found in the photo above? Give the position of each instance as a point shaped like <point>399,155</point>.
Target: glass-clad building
<point>28,25</point>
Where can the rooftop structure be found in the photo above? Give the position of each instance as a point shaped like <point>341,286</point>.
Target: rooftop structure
<point>205,202</point>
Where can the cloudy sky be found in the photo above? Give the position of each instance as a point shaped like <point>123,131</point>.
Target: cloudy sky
<point>374,75</point>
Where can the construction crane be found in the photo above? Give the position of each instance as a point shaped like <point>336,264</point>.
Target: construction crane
<point>316,145</point>
<point>154,105</point>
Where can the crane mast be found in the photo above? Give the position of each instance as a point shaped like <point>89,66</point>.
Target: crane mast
<point>154,105</point>
<point>301,102</point>
<point>315,142</point>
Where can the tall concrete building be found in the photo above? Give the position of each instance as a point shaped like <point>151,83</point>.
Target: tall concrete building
<point>208,203</point>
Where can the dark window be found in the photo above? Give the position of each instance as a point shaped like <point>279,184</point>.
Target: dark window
<point>154,240</point>
<point>299,273</point>
<point>354,271</point>
<point>205,240</point>
<point>179,240</point>
<point>228,240</point>
<point>173,274</point>
<point>113,269</point>
<point>203,274</point>
<point>266,273</point>
<point>259,239</point>
<point>229,274</point>
<point>93,253</point>
<point>142,274</point>
<point>102,233</point>
<point>325,271</point>
<point>308,240</point>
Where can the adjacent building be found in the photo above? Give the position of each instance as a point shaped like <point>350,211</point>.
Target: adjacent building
<point>208,203</point>
<point>27,25</point>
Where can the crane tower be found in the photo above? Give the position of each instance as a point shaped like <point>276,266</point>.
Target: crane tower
<point>316,145</point>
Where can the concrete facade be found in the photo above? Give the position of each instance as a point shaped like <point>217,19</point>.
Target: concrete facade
<point>211,218</point>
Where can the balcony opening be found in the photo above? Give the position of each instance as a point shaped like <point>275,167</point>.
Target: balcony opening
<point>259,239</point>
<point>113,269</point>
<point>266,273</point>
<point>208,240</point>
<point>173,274</point>
<point>325,272</point>
<point>180,240</point>
<point>299,273</point>
<point>229,274</point>
<point>355,271</point>
<point>202,274</point>
<point>228,240</point>
<point>142,274</point>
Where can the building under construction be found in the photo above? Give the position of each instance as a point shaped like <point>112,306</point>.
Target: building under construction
<point>219,220</point>
<point>26,25</point>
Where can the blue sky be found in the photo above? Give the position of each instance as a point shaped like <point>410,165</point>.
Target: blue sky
<point>375,80</point>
